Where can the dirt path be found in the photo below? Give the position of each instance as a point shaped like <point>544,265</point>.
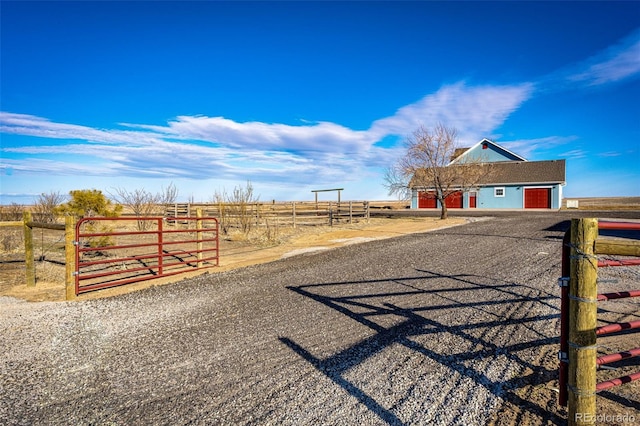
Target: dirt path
<point>453,327</point>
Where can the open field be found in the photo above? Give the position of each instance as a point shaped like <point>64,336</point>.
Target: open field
<point>450,327</point>
<point>610,203</point>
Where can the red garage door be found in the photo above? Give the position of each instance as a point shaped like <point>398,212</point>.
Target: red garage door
<point>454,201</point>
<point>427,200</point>
<point>537,198</point>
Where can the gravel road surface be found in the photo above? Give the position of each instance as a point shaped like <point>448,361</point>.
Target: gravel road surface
<point>453,327</point>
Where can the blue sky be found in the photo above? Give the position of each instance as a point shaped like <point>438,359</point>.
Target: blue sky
<point>297,96</point>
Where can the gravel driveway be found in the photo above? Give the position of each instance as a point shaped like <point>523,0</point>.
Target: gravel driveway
<point>456,326</point>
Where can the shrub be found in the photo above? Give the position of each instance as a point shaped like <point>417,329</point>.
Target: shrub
<point>91,203</point>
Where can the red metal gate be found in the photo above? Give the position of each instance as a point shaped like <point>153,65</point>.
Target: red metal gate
<point>116,251</point>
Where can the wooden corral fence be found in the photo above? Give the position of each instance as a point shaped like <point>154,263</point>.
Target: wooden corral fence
<point>579,307</point>
<point>96,257</point>
<point>28,225</point>
<point>284,213</point>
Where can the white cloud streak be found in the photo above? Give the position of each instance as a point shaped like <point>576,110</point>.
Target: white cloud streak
<point>473,111</point>
<point>528,147</point>
<point>575,154</point>
<point>30,125</point>
<point>614,64</point>
<point>200,146</point>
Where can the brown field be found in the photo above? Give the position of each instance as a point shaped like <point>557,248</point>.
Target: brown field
<point>606,203</point>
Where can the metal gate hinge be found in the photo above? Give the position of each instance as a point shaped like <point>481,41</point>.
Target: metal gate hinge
<point>563,357</point>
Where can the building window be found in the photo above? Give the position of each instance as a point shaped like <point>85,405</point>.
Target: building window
<point>498,192</point>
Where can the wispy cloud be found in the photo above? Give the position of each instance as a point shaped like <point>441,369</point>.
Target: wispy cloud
<point>529,147</point>
<point>197,146</point>
<point>574,154</point>
<point>474,111</point>
<point>614,64</point>
<point>54,167</point>
<point>267,136</point>
<point>617,63</point>
<point>609,154</point>
<point>30,125</point>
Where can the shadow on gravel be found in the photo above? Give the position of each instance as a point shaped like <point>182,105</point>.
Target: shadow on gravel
<point>561,226</point>
<point>416,311</point>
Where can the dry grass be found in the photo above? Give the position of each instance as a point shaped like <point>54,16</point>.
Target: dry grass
<point>11,240</point>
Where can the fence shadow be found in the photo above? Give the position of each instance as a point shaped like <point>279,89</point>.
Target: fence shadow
<point>420,308</point>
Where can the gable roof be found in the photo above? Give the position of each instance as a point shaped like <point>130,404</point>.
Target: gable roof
<point>520,173</point>
<point>460,153</point>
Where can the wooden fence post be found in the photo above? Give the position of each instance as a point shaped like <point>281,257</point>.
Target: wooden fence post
<point>28,250</point>
<point>294,214</point>
<point>582,322</point>
<point>70,257</point>
<point>199,237</point>
<point>366,208</point>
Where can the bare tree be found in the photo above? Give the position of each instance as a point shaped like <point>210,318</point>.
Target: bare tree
<point>243,202</point>
<point>12,212</point>
<point>144,203</point>
<point>45,206</point>
<point>237,209</point>
<point>167,195</point>
<point>220,200</point>
<point>396,183</point>
<point>426,165</point>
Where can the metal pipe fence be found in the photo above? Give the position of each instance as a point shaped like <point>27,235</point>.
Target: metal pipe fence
<point>106,257</point>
